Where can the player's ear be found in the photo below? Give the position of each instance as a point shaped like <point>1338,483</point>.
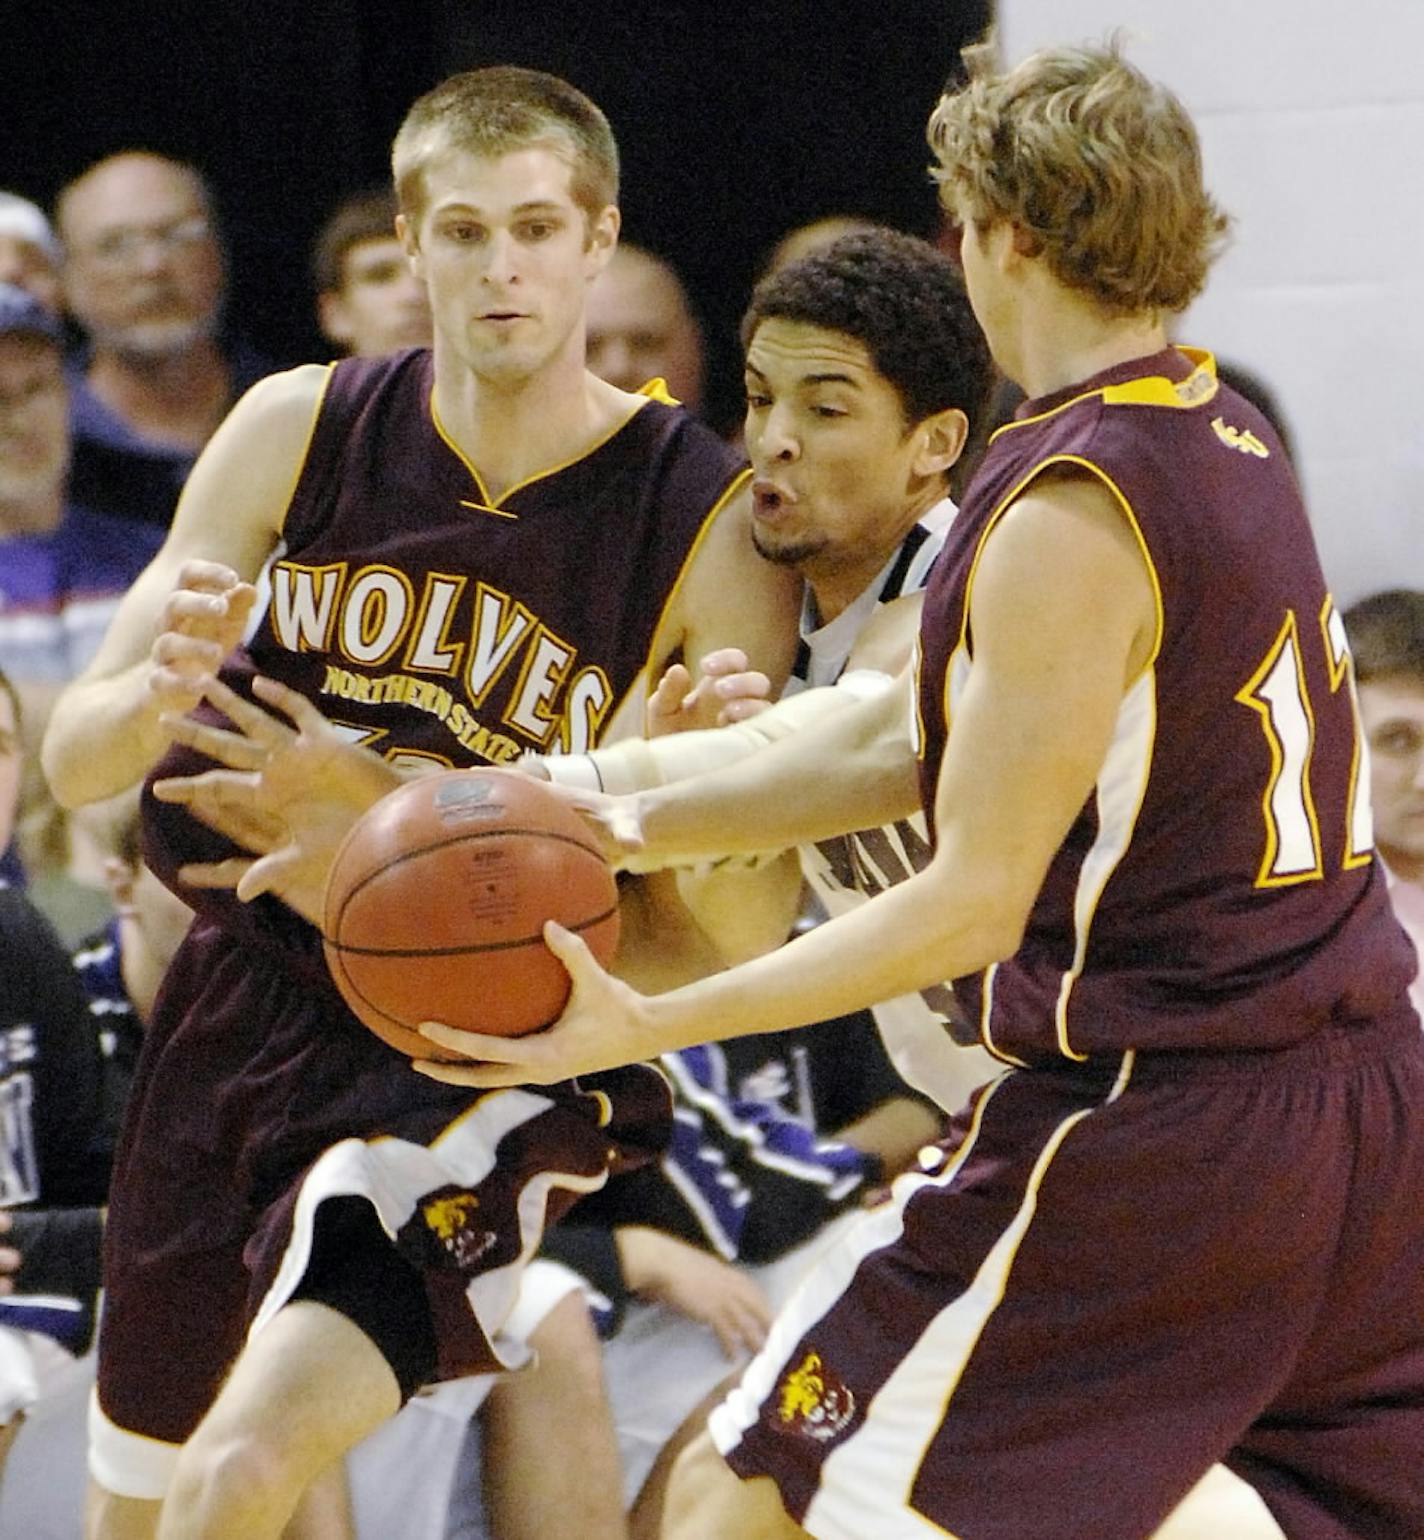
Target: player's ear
<point>1024,243</point>
<point>603,230</point>
<point>941,439</point>
<point>407,235</point>
<point>332,316</point>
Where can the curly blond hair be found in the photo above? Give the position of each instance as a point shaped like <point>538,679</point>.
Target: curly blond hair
<point>1098,167</point>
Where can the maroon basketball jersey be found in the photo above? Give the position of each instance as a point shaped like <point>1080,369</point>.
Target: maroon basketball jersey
<point>429,620</point>
<point>436,621</point>
<point>1218,890</point>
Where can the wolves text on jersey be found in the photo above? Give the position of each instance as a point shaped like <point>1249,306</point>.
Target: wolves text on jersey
<point>374,616</point>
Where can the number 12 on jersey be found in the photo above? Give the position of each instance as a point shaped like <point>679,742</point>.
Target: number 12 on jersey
<point>1278,693</point>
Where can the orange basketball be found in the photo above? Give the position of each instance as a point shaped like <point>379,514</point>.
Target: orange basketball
<point>437,899</point>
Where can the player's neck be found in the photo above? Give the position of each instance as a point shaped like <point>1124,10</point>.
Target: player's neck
<point>1075,343</point>
<point>511,430</point>
<point>839,579</point>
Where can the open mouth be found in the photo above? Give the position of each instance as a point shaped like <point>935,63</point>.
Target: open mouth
<point>768,499</point>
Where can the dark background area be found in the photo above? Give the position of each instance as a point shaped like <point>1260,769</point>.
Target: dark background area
<point>735,124</point>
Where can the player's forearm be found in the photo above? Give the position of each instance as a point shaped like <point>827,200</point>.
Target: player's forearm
<point>850,770</point>
<point>893,1132</point>
<point>103,736</point>
<point>918,933</point>
<point>640,764</point>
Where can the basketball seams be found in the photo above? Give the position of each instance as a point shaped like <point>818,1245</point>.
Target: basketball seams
<point>532,939</point>
<point>468,837</point>
<point>421,906</point>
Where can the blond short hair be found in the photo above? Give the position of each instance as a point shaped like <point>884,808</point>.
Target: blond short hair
<point>491,112</point>
<point>1098,166</point>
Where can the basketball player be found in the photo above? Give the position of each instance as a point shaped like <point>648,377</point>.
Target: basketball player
<point>474,551</point>
<point>863,367</point>
<point>863,364</point>
<point>1182,1226</point>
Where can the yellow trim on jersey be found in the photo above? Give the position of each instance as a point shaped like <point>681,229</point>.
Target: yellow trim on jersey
<point>1199,387</point>
<point>1342,671</point>
<point>733,487</point>
<point>656,389</point>
<point>1124,1073</point>
<point>492,505</point>
<point>986,1016</point>
<point>306,448</point>
<point>502,513</point>
<point>1247,695</point>
<point>1006,502</point>
<point>917,715</point>
<point>1339,666</point>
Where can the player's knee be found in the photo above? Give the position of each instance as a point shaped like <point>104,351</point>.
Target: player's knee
<point>691,1482</point>
<point>221,1468</point>
<point>706,1501</point>
<point>211,1469</point>
<point>568,1345</point>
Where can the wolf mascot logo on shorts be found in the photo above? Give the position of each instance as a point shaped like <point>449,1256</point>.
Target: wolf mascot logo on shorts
<point>449,1220</point>
<point>814,1401</point>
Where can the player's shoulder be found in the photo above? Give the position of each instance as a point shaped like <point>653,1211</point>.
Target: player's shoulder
<point>694,466</point>
<point>289,397</point>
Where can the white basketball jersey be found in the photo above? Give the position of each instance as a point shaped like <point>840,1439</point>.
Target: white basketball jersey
<point>843,872</point>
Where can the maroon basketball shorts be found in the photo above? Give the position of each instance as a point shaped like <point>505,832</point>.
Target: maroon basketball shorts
<point>1107,1286</point>
<point>242,1125</point>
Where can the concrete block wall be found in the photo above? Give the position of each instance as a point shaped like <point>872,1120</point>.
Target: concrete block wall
<point>1312,123</point>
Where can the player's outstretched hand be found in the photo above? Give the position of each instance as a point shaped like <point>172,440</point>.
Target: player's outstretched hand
<point>201,621</point>
<point>288,792</point>
<point>696,1284</point>
<point>727,690</point>
<point>603,1025</point>
<point>615,820</point>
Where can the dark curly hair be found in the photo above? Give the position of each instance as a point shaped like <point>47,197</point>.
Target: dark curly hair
<point>903,301</point>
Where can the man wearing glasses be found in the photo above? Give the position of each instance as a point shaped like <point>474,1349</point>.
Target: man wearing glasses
<point>146,280</point>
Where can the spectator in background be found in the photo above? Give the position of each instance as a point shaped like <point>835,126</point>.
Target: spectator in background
<point>368,300</point>
<point>50,1248</point>
<point>1386,634</point>
<point>641,327</point>
<point>30,254</point>
<point>812,236</point>
<point>64,566</point>
<point>145,278</point>
<point>53,1160</point>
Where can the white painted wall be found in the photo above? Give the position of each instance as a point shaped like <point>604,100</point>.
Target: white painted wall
<point>1312,123</point>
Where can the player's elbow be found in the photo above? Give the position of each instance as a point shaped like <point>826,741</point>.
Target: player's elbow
<point>997,931</point>
<point>1003,933</point>
<point>996,918</point>
<point>69,764</point>
<point>60,769</point>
